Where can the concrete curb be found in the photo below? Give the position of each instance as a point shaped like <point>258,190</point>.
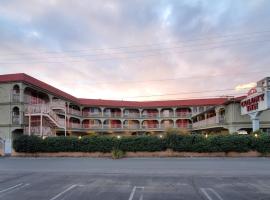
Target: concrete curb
<point>164,154</point>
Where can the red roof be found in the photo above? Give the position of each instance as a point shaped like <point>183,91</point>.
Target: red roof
<point>168,103</point>
<point>30,80</point>
<point>21,77</point>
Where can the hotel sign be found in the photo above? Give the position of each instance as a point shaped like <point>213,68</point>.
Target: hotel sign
<point>255,101</point>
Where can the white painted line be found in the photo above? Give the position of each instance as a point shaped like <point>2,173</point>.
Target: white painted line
<point>20,185</point>
<point>213,192</point>
<point>217,194</point>
<point>63,192</point>
<point>10,188</point>
<point>133,192</point>
<point>206,194</point>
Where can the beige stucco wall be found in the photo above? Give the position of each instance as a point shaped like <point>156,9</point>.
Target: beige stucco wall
<point>233,114</point>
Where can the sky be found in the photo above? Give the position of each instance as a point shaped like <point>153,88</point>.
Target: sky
<point>138,49</point>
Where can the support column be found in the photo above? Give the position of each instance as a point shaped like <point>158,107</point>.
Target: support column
<point>29,125</point>
<point>122,112</point>
<point>41,134</point>
<point>217,115</point>
<point>174,112</point>
<point>174,123</point>
<point>21,94</point>
<point>102,111</point>
<point>255,121</point>
<point>140,110</point>
<point>159,112</point>
<point>255,124</point>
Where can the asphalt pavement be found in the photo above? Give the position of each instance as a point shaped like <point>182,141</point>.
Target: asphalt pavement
<point>134,179</point>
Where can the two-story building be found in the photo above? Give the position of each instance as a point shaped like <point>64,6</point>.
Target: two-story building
<point>29,106</point>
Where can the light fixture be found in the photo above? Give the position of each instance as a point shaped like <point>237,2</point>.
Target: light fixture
<point>80,137</point>
<point>206,135</point>
<point>161,136</point>
<point>256,135</point>
<point>118,136</point>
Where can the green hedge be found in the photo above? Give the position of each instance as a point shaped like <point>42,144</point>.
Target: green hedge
<point>180,143</point>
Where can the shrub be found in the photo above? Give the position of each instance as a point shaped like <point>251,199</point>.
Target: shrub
<point>117,154</point>
<point>180,143</point>
<point>262,143</point>
<point>103,144</point>
<point>141,143</point>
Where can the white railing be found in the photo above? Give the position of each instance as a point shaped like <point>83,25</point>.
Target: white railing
<point>74,125</point>
<point>74,112</point>
<point>183,114</point>
<point>164,126</point>
<point>206,122</point>
<point>92,126</point>
<point>132,126</point>
<point>92,114</point>
<point>16,120</point>
<point>153,126</point>
<point>112,114</point>
<point>15,97</point>
<point>57,103</point>
<point>112,126</point>
<point>150,115</point>
<point>166,115</point>
<point>132,115</point>
<point>44,109</point>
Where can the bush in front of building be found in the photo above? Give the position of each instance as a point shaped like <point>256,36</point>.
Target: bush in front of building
<point>212,143</point>
<point>261,143</point>
<point>117,154</point>
<point>141,143</point>
<point>175,142</point>
<point>103,144</point>
<point>28,144</point>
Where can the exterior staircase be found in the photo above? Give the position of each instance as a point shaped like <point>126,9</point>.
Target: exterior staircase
<point>48,115</point>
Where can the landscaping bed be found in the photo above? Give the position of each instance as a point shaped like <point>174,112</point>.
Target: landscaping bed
<point>172,145</point>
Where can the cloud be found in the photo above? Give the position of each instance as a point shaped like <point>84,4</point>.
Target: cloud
<point>114,49</point>
<point>245,86</point>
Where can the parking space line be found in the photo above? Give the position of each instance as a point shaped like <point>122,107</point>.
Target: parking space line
<point>133,192</point>
<point>63,192</point>
<point>215,192</point>
<point>18,186</point>
<point>207,193</point>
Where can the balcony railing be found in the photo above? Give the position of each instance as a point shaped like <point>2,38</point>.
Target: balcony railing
<point>150,115</point>
<point>92,126</point>
<point>183,114</point>
<point>165,115</point>
<point>92,114</point>
<point>74,125</point>
<point>132,126</point>
<point>113,114</point>
<point>16,98</point>
<point>74,112</point>
<point>164,126</point>
<point>150,126</point>
<point>16,120</point>
<point>132,115</point>
<point>112,126</point>
<point>209,122</point>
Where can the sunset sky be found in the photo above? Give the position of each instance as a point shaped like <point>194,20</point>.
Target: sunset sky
<point>138,50</point>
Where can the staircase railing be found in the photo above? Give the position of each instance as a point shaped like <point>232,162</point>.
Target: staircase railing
<point>46,109</point>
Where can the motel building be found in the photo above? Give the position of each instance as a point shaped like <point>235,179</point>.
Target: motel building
<point>32,107</point>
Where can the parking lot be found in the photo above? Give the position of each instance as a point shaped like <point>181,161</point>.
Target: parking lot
<point>134,179</point>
